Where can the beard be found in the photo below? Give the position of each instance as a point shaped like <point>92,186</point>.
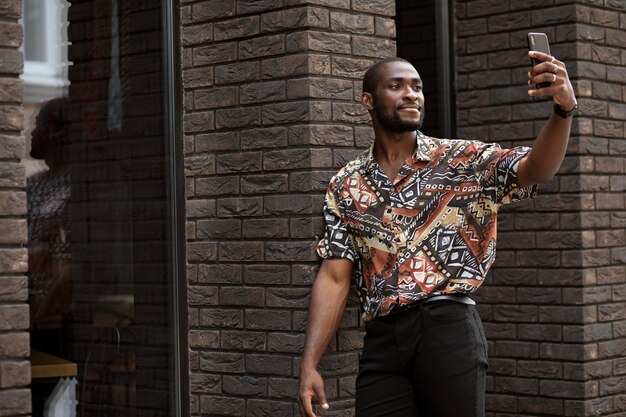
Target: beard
<point>396,123</point>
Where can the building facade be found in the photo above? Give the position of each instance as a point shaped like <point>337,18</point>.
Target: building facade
<point>163,174</point>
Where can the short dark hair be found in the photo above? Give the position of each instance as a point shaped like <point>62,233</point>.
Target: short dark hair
<point>372,74</point>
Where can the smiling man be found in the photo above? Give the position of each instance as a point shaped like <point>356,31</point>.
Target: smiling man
<point>413,220</point>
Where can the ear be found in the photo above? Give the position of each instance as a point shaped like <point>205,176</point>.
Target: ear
<point>367,100</point>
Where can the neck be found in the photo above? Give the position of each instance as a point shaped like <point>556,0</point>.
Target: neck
<point>390,147</point>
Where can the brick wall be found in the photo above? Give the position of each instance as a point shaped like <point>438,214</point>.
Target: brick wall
<point>14,340</point>
<point>271,91</point>
<point>553,310</point>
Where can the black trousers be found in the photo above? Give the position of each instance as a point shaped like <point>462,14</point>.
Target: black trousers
<point>426,361</point>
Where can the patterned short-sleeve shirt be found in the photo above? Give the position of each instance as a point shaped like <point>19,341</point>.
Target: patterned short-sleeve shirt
<point>430,231</point>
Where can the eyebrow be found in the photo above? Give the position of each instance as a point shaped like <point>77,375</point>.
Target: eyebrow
<point>415,80</point>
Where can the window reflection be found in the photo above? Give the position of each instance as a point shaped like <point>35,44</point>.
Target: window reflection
<point>99,249</point>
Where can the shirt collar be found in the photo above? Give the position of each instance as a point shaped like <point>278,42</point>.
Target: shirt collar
<point>422,152</point>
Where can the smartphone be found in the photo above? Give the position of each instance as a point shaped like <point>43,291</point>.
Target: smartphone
<point>539,42</point>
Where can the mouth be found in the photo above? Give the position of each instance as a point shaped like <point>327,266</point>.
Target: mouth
<point>411,109</point>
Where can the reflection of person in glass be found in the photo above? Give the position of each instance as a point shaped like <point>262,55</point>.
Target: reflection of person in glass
<point>48,230</point>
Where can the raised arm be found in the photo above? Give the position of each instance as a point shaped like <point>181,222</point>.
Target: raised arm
<point>548,151</point>
<point>328,302</point>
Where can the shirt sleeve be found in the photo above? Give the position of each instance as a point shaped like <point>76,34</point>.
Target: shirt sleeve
<point>337,240</point>
<point>498,174</point>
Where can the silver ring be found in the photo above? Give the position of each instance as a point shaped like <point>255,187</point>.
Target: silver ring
<point>552,60</point>
<point>555,68</point>
<point>554,79</point>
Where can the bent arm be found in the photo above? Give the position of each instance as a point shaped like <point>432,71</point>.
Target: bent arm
<point>548,151</point>
<point>328,301</point>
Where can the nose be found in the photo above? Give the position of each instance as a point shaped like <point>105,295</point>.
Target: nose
<point>410,94</point>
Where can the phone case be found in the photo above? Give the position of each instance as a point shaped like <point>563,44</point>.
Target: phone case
<point>539,42</point>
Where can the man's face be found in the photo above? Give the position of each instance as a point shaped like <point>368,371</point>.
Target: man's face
<point>398,102</point>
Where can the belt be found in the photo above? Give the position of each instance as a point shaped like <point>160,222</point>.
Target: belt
<point>464,299</point>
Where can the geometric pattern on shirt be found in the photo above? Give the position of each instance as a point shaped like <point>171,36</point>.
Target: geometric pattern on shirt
<point>429,231</point>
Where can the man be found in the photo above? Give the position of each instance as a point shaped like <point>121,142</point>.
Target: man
<point>414,220</point>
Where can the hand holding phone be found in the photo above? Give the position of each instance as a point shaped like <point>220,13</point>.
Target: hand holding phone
<point>539,42</point>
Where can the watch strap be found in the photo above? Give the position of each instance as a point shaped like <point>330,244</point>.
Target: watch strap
<point>565,113</point>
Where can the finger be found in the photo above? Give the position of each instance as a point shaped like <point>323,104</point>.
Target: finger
<point>540,56</point>
<point>546,77</point>
<point>321,396</point>
<point>306,408</point>
<point>550,67</point>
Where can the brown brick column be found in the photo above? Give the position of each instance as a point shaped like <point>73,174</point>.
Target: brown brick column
<point>554,307</point>
<point>271,92</point>
<point>14,340</point>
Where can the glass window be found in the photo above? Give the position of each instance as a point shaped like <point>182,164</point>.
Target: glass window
<point>101,274</point>
<point>423,38</point>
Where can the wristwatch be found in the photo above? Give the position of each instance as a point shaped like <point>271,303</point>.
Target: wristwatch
<point>563,113</point>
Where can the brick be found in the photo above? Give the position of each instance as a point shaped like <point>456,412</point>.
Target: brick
<point>15,402</point>
<point>540,369</point>
<point>367,46</point>
<point>13,231</point>
<point>314,87</point>
<point>199,165</point>
<point>268,320</point>
<point>300,64</point>
<point>587,371</point>
<point>283,388</point>
<point>381,7</point>
<point>264,183</point>
<point>523,386</point>
<point>294,159</point>
<point>313,134</point>
<point>508,313</point>
<point>266,274</point>
<point>218,229</point>
<point>11,89</point>
<point>203,339</point>
<point>215,317</point>
<point>587,333</point>
<point>260,408</point>
<point>212,9</point>
<point>272,137</point>
<point>350,67</point>
<point>196,34</point>
<point>14,345</point>
<point>310,181</point>
<point>13,289</point>
<point>339,364</point>
<point>262,46</point>
<point>14,317</point>
<point>229,406</point>
<point>537,406</point>
<point>268,364</point>
<point>263,92</point>
<point>298,18</point>
<point>241,251</point>
<point>215,97</point>
<point>285,342</point>
<point>255,6</point>
<point>198,77</point>
<point>290,204</point>
<point>567,314</point>
<point>243,162</point>
<point>287,297</point>
<point>513,349</point>
<point>568,352</point>
<point>318,41</point>
<point>205,383</point>
<point>237,28</point>
<point>611,348</point>
<point>239,117</point>
<point>289,251</point>
<point>202,295</point>
<point>586,295</point>
<point>12,147</point>
<point>539,332</point>
<point>243,341</point>
<point>197,122</point>
<point>11,117</point>
<point>13,260</point>
<point>14,374</point>
<point>265,229</point>
<point>237,72</point>
<point>11,62</point>
<point>244,385</point>
<point>217,186</point>
<point>219,274</point>
<point>567,389</point>
<point>11,9</point>
<point>242,206</point>
<point>352,23</point>
<point>296,111</point>
<point>211,142</point>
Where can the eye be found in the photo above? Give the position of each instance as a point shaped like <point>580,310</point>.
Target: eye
<point>395,86</point>
<point>417,87</point>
